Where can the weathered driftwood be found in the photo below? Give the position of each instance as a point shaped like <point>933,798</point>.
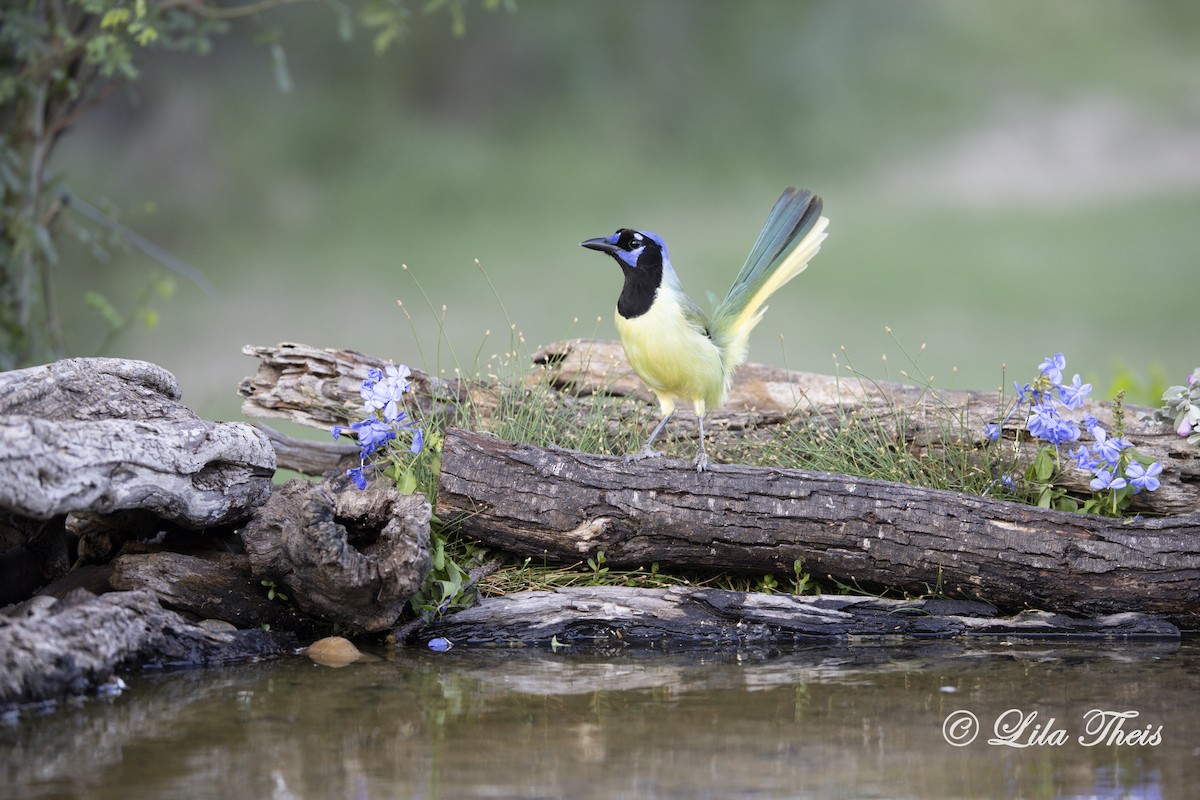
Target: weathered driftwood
<point>216,586</point>
<point>320,388</point>
<point>563,506</point>
<point>623,616</point>
<point>353,557</point>
<point>104,435</point>
<point>77,644</point>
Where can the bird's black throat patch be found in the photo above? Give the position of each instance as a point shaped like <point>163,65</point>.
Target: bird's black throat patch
<point>641,284</point>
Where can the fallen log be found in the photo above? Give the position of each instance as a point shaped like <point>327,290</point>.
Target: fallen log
<point>320,388</point>
<point>216,586</point>
<point>619,616</point>
<point>77,644</point>
<point>763,398</point>
<point>563,506</point>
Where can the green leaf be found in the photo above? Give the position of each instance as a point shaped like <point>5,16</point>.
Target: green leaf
<point>101,304</point>
<point>115,18</point>
<point>1043,465</point>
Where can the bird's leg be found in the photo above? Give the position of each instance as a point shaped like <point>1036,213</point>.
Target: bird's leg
<point>701,462</point>
<point>647,451</point>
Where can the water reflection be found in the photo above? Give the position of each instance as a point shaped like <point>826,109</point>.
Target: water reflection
<point>862,721</point>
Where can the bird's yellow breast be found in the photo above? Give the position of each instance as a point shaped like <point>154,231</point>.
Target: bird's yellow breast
<point>673,356</point>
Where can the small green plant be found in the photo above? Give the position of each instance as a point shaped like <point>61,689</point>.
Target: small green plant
<point>273,592</point>
<point>1181,408</point>
<point>802,582</point>
<point>599,571</point>
<point>449,587</point>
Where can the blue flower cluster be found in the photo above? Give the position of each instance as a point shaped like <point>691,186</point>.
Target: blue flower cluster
<point>1046,398</point>
<point>386,421</point>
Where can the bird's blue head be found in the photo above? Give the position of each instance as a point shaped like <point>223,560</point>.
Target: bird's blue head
<point>632,249</point>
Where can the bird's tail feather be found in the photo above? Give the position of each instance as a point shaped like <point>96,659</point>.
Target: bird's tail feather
<point>790,238</point>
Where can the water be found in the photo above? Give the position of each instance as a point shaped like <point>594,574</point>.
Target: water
<point>846,721</point>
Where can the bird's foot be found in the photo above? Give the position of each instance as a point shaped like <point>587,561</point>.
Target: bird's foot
<point>701,461</point>
<point>645,452</point>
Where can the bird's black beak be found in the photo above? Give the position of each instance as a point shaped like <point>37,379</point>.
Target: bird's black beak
<point>602,244</point>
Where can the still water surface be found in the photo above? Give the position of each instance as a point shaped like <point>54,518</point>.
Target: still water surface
<point>848,721</point>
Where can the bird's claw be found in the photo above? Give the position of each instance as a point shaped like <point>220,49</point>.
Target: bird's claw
<point>701,461</point>
<point>645,452</point>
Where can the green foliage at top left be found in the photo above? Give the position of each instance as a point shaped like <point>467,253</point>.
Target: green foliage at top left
<point>58,59</point>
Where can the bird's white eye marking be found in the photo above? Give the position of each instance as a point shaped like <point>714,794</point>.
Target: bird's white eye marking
<point>637,237</point>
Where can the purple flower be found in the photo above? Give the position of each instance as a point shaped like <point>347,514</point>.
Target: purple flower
<point>418,442</point>
<point>1022,392</point>
<point>1073,393</point>
<point>1052,368</point>
<point>1143,477</point>
<point>1042,421</point>
<point>356,474</point>
<point>386,393</point>
<point>440,644</point>
<point>372,435</point>
<point>1046,424</point>
<point>1105,480</point>
<point>1106,448</point>
<point>1091,423</point>
<point>1082,458</point>
<point>1185,427</point>
<point>992,430</point>
<point>1007,482</point>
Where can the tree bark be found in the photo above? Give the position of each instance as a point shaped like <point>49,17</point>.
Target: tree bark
<point>564,506</point>
<point>352,557</point>
<point>107,435</point>
<point>620,616</point>
<point>215,586</point>
<point>320,388</point>
<point>77,644</point>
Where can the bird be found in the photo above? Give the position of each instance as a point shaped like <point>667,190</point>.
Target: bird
<point>681,353</point>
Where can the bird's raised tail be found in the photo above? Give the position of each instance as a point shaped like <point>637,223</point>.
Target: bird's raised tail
<point>788,241</point>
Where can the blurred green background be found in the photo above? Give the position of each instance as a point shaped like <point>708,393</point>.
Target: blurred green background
<point>1004,181</point>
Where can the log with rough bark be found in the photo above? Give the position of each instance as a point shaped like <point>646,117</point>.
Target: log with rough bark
<point>621,616</point>
<point>764,398</point>
<point>104,435</point>
<point>320,388</point>
<point>100,448</point>
<point>212,585</point>
<point>563,506</point>
<point>76,645</point>
<point>349,556</point>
